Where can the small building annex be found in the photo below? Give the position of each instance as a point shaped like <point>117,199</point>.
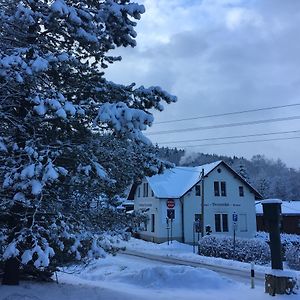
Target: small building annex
<point>224,193</point>
<point>290,217</point>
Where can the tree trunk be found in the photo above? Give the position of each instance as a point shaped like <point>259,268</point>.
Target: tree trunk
<point>11,272</point>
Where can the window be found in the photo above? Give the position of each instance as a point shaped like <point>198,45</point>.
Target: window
<point>197,223</point>
<point>241,191</point>
<point>152,222</point>
<point>243,222</point>
<point>221,222</point>
<point>139,191</point>
<point>223,188</point>
<point>197,217</point>
<point>145,190</point>
<point>198,190</point>
<point>225,222</point>
<point>218,222</point>
<point>146,226</point>
<point>216,188</point>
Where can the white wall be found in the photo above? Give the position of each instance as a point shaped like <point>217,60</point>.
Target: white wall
<point>232,203</point>
<point>158,207</point>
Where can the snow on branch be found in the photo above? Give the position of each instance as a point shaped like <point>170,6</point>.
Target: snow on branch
<point>33,176</point>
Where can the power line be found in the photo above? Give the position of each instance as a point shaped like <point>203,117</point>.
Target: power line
<point>241,142</point>
<point>231,137</point>
<point>229,113</point>
<point>225,125</point>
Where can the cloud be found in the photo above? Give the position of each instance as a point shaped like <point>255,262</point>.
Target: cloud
<point>237,17</point>
<point>219,56</point>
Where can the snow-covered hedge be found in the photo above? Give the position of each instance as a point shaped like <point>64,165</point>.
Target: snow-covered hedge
<point>285,237</point>
<point>292,254</point>
<point>290,248</point>
<point>246,250</point>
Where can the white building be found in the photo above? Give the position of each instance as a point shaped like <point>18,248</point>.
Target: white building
<point>225,194</point>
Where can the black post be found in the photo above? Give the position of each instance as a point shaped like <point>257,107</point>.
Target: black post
<point>168,231</point>
<point>272,215</point>
<point>194,229</point>
<point>234,241</point>
<point>171,231</point>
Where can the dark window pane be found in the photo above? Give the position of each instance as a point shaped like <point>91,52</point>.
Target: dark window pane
<point>225,222</point>
<point>218,222</point>
<point>198,190</point>
<point>152,222</point>
<point>197,217</point>
<point>145,192</point>
<point>216,188</point>
<point>241,191</point>
<point>223,188</point>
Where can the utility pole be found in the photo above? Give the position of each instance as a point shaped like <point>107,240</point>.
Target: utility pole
<point>202,203</point>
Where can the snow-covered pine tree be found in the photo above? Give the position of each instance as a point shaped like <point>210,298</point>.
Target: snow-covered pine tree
<point>67,134</point>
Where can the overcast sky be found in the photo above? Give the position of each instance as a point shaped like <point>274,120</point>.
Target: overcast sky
<point>220,56</point>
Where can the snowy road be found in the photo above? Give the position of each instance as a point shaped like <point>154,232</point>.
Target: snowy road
<point>235,274</point>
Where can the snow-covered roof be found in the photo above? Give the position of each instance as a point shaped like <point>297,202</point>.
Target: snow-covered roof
<point>271,201</point>
<point>175,182</point>
<point>287,207</point>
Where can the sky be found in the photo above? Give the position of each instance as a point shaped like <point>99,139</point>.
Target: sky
<point>220,56</point>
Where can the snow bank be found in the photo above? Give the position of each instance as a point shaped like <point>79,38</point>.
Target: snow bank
<point>176,277</point>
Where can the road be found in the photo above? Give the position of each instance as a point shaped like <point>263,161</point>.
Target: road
<point>235,274</point>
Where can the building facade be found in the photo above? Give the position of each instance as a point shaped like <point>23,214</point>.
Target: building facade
<point>290,217</point>
<point>229,202</point>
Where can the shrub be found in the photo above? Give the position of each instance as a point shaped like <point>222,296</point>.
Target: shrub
<point>290,248</point>
<point>246,250</point>
<point>292,254</point>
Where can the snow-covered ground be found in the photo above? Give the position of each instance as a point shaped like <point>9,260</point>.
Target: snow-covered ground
<point>128,278</point>
<point>184,251</point>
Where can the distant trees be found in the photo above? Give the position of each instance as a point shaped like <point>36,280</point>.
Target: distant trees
<point>271,178</point>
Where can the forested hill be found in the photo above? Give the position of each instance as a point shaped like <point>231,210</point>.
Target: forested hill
<point>273,179</point>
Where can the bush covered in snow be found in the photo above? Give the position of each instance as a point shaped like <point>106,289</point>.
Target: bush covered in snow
<point>246,250</point>
<point>292,256</point>
<point>290,247</point>
<point>285,237</point>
